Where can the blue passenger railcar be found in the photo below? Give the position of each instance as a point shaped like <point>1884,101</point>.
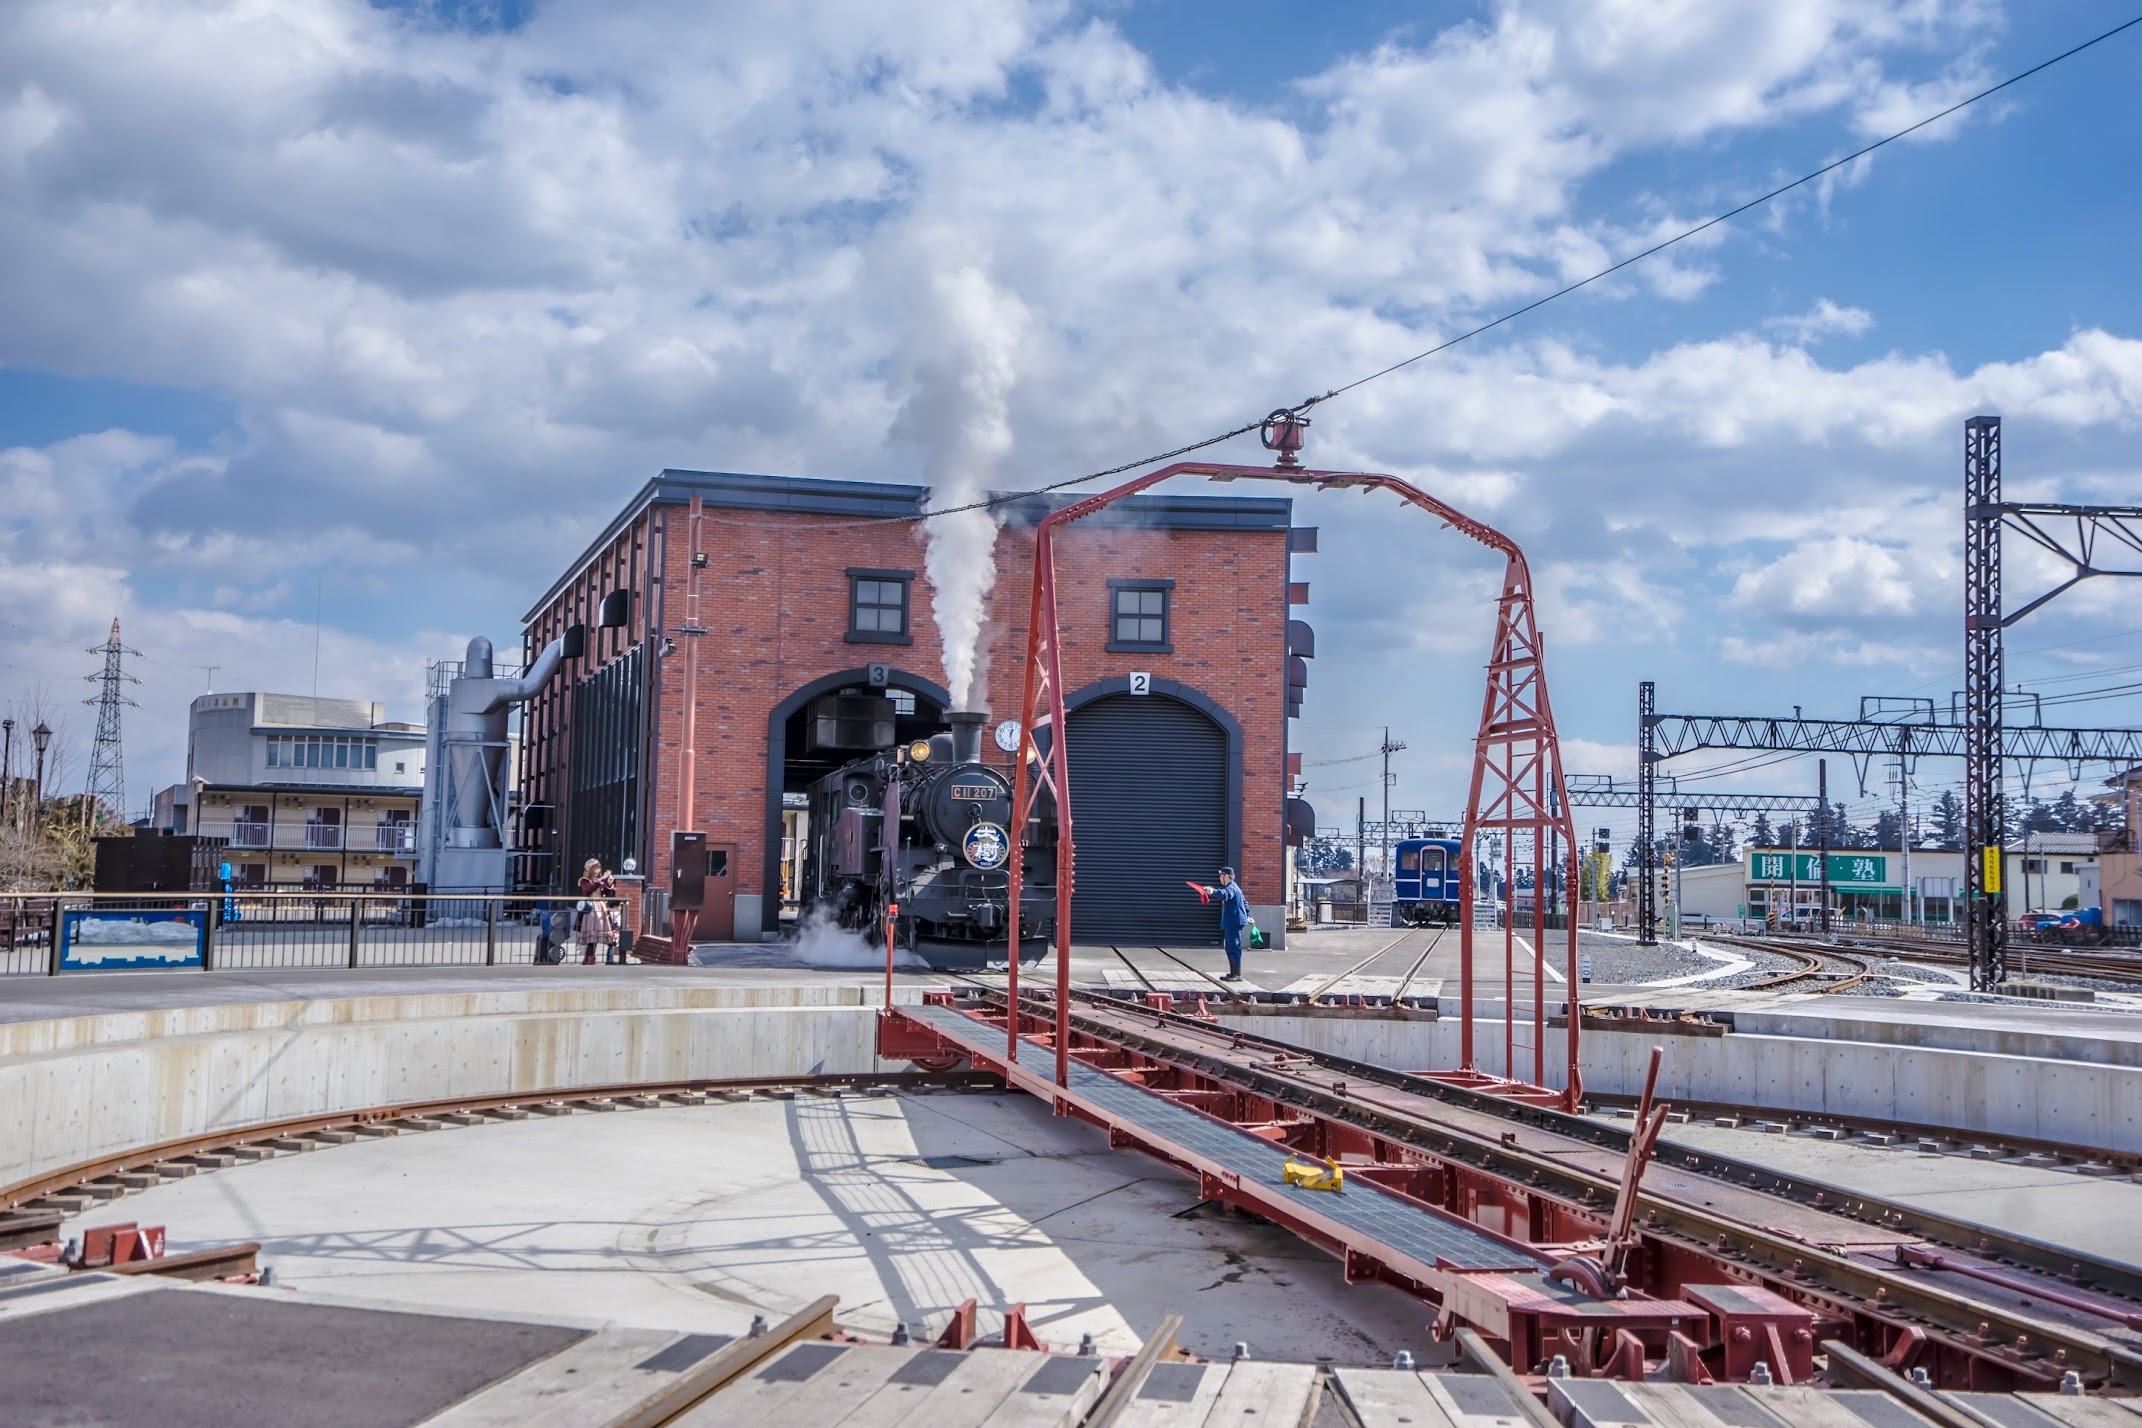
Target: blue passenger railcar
<point>1426,886</point>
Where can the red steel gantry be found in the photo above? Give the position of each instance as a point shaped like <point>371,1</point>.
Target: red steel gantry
<point>1517,790</point>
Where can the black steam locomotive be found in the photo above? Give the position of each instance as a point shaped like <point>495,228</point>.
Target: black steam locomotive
<point>927,828</point>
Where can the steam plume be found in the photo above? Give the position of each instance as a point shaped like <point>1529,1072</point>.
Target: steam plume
<point>962,348</point>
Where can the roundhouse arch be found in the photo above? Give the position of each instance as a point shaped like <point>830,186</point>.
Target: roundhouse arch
<point>1156,784</point>
<point>777,762</point>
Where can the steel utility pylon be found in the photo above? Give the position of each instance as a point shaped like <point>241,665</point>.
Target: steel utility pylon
<point>107,761</point>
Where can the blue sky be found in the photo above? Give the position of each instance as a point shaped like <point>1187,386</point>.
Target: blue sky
<point>380,311</point>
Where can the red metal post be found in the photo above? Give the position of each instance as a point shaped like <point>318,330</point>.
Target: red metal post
<point>892,920</point>
<point>1517,765</point>
<point>684,921</point>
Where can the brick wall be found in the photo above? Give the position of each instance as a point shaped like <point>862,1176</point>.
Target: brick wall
<point>773,604</point>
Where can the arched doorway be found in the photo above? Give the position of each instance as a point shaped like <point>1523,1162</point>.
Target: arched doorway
<point>1156,798</point>
<point>793,763</point>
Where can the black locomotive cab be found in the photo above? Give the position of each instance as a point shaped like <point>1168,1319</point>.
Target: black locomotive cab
<point>927,828</point>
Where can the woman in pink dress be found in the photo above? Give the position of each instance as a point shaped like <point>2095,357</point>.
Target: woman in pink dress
<point>597,926</point>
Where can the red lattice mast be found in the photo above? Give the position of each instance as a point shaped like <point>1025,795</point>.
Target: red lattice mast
<point>1517,791</point>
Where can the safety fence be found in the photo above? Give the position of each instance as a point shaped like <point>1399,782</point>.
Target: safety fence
<point>2052,929</point>
<point>52,933</point>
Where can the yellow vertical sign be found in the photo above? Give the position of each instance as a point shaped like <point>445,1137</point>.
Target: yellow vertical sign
<point>1993,871</point>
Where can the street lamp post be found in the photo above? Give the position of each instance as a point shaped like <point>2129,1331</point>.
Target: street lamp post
<point>7,764</point>
<point>42,737</point>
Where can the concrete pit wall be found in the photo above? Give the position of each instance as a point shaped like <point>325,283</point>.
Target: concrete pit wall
<point>2090,1106</point>
<point>78,1089</point>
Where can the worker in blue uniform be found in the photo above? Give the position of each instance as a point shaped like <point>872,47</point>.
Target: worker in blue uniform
<point>1234,918</point>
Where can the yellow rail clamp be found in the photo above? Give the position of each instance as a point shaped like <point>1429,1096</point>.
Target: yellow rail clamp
<point>1310,1176</point>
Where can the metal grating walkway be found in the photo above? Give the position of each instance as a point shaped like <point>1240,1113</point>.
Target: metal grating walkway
<point>1418,1234</point>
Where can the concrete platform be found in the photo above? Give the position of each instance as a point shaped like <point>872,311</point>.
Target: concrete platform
<point>2095,1215</point>
<point>696,1219</point>
<point>2047,1073</point>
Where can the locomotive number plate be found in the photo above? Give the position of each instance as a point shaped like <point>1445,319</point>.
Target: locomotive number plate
<point>975,792</point>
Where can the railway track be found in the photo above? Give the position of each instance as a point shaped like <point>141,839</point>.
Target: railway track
<point>2030,1308</point>
<point>1404,983</point>
<point>2003,1301</point>
<point>31,1210</point>
<point>1863,950</point>
<point>1236,991</point>
<point>1817,969</point>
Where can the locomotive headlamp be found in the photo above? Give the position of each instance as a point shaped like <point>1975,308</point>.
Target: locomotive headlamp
<point>919,751</point>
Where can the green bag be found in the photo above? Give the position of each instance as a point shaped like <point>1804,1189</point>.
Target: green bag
<point>1256,937</point>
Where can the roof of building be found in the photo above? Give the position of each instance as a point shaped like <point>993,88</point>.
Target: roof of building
<point>865,500</point>
<point>320,787</point>
<point>306,712</point>
<point>2060,843</point>
<point>2077,843</point>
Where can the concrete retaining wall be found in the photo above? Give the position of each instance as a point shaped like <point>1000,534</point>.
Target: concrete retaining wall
<point>2086,1105</point>
<point>76,1089</point>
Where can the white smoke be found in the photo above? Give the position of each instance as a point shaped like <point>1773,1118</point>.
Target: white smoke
<point>962,345</point>
<point>822,942</point>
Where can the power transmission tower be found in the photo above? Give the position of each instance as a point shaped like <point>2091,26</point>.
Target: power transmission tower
<point>107,761</point>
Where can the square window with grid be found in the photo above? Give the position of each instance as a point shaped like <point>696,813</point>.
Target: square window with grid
<point>879,607</point>
<point>1141,615</point>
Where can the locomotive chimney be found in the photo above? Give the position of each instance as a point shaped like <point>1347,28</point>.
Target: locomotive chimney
<point>966,735</point>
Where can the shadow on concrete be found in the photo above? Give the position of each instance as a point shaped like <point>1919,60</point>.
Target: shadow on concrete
<point>1141,1236</point>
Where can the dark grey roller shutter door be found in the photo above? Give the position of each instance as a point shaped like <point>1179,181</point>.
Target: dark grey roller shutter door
<point>1149,810</point>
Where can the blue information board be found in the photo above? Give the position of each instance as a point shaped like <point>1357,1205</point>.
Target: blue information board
<point>96,939</point>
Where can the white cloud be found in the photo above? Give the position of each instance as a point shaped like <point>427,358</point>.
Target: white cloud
<point>466,291</point>
<point>1842,575</point>
<point>1819,321</point>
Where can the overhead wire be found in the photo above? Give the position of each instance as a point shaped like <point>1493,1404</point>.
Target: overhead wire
<point>1012,497</point>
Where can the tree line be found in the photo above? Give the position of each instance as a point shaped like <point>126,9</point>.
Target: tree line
<point>1938,826</point>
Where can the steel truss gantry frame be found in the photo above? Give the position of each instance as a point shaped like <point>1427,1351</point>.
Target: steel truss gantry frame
<point>1516,785</point>
<point>1665,736</point>
<point>1598,791</point>
<point>1985,515</point>
<point>1601,793</point>
<point>1980,736</point>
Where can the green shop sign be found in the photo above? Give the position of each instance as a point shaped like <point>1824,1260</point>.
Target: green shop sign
<point>1869,868</point>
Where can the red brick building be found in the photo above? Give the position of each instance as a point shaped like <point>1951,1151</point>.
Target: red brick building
<point>747,600</point>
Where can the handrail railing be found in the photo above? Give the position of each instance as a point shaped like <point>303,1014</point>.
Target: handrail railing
<point>48,933</point>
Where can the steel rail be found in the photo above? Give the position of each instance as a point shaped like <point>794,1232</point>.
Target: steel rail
<point>1793,1267</point>
<point>1418,963</point>
<point>2059,1261</point>
<point>724,1366</point>
<point>2056,1260</point>
<point>1143,979</point>
<point>1233,994</point>
<point>1855,1367</point>
<point>253,1133</point>
<point>222,1262</point>
<point>1812,964</point>
<point>1333,982</point>
<point>2109,965</point>
<point>1116,1399</point>
<point>1709,1110</point>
